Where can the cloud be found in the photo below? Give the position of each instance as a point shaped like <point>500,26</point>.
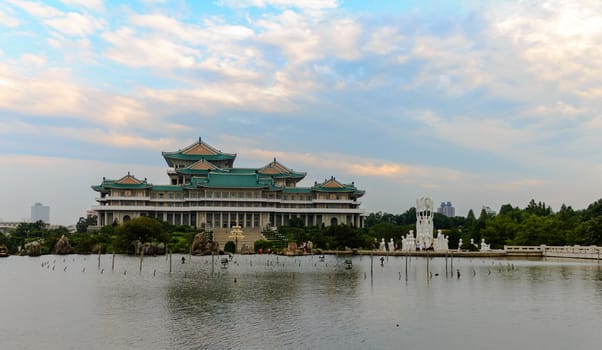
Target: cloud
<point>303,38</point>
<point>301,4</point>
<point>7,18</point>
<point>559,43</point>
<point>384,40</point>
<point>67,23</point>
<point>160,53</point>
<point>35,9</point>
<point>95,5</point>
<point>75,24</point>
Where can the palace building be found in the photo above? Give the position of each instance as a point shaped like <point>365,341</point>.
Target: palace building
<point>206,191</point>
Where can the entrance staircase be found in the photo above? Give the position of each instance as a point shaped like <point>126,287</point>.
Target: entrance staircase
<point>251,234</point>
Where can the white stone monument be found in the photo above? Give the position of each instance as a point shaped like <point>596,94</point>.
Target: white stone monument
<point>391,245</point>
<point>382,245</point>
<point>424,222</point>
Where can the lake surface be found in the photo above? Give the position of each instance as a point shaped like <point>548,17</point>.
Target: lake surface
<point>270,302</point>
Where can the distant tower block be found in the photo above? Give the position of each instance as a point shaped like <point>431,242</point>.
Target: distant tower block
<point>424,222</point>
<point>40,212</point>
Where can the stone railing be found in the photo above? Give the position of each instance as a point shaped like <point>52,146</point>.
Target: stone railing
<point>576,252</point>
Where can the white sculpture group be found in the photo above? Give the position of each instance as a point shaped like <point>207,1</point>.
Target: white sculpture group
<point>424,241</point>
<point>485,247</point>
<point>424,230</point>
<point>384,247</point>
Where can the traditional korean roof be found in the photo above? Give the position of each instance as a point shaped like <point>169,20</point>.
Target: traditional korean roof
<point>197,151</point>
<point>332,185</point>
<point>172,188</point>
<point>275,169</point>
<point>127,182</point>
<point>200,167</point>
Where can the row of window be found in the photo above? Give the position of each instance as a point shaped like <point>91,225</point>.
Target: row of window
<point>229,194</point>
<point>229,204</point>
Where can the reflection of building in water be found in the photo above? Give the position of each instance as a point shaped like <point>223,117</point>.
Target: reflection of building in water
<point>447,209</point>
<point>207,191</point>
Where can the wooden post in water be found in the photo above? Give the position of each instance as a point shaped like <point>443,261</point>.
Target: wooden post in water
<point>427,265</point>
<point>141,258</point>
<point>445,264</point>
<point>169,262</point>
<point>406,268</point>
<point>451,272</point>
<point>113,263</point>
<point>212,262</point>
<point>99,259</point>
<point>371,264</point>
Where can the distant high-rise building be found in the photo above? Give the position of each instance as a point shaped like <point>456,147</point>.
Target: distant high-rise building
<point>40,212</point>
<point>447,209</point>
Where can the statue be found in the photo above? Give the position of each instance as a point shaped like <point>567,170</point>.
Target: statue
<point>382,245</point>
<point>391,245</point>
<point>484,246</point>
<point>460,244</point>
<point>441,243</point>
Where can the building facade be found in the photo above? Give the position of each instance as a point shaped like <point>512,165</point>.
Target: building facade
<point>447,209</point>
<point>40,212</point>
<point>206,191</point>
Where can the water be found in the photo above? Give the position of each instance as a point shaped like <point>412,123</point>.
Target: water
<point>261,302</point>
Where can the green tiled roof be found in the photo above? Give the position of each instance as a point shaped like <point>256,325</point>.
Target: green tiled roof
<point>208,157</point>
<point>227,180</point>
<point>188,153</point>
<point>175,188</point>
<point>108,184</point>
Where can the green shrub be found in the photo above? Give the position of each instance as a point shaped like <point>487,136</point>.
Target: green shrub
<point>229,247</point>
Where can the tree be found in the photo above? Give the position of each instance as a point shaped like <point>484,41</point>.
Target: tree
<point>84,222</point>
<point>142,228</point>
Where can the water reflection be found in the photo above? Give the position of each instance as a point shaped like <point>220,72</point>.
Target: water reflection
<point>299,303</point>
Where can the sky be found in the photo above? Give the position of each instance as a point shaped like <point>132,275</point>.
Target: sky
<point>481,103</point>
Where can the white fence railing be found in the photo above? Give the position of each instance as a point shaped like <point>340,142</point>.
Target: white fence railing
<point>576,251</point>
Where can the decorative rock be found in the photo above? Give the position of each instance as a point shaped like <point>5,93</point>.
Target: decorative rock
<point>149,248</point>
<point>33,248</point>
<point>62,246</point>
<point>202,246</point>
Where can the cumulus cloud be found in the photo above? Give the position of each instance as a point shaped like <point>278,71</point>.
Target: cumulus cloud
<point>66,23</point>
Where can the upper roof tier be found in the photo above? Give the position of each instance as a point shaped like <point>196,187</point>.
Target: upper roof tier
<point>275,169</point>
<point>199,151</point>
